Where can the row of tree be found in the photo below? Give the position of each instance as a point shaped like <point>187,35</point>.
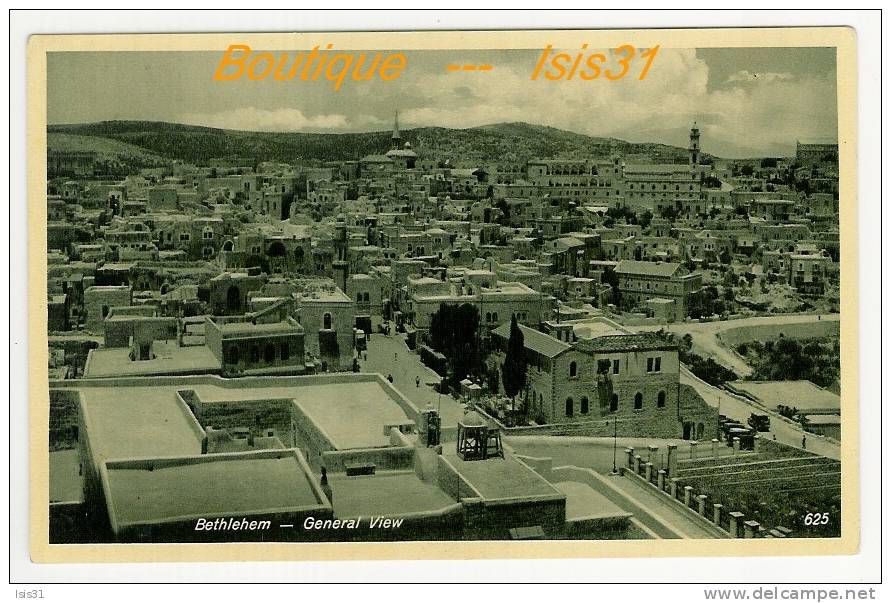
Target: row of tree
<point>454,332</point>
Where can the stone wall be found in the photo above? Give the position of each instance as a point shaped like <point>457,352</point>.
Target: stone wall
<point>667,422</point>
<point>256,415</point>
<point>804,330</point>
<point>63,422</point>
<point>119,331</point>
<point>384,459</point>
<point>98,302</point>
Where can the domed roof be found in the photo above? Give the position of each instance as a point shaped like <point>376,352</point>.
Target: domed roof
<point>472,419</point>
<point>407,152</point>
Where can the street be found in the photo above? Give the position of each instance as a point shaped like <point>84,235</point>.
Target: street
<point>740,409</point>
<point>389,355</point>
<point>706,342</point>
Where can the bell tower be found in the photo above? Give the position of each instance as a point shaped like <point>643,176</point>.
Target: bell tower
<point>396,138</point>
<point>694,145</point>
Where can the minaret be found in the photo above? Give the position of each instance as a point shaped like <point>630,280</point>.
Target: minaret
<point>396,137</point>
<point>694,146</point>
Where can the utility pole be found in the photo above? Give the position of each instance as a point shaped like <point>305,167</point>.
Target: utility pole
<point>615,442</point>
<point>718,426</point>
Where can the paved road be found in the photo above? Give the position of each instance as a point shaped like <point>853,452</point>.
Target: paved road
<point>740,409</point>
<point>597,452</point>
<point>662,507</point>
<point>391,356</point>
<point>706,342</point>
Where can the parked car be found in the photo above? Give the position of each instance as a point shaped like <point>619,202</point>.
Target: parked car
<point>759,422</point>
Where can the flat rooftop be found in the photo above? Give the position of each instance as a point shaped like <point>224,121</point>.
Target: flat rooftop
<point>169,359</point>
<point>804,395</point>
<point>589,329</point>
<point>584,501</point>
<point>138,422</point>
<point>214,485</point>
<point>142,417</point>
<point>248,328</point>
<point>385,493</point>
<point>507,477</point>
<point>352,414</point>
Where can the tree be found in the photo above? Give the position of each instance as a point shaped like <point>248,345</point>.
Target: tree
<point>645,218</point>
<point>513,370</point>
<point>454,332</point>
<point>610,277</point>
<point>492,378</point>
<point>669,212</point>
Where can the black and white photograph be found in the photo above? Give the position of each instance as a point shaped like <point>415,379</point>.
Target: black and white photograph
<point>572,290</point>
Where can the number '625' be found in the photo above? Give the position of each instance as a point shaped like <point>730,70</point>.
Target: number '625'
<point>816,519</point>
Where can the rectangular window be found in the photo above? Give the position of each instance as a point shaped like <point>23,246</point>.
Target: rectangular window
<point>615,367</point>
<point>658,364</point>
<point>649,365</point>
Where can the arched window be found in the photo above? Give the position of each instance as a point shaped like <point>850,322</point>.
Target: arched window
<point>573,369</point>
<point>494,316</point>
<point>326,321</point>
<point>660,400</point>
<point>614,403</point>
<point>285,351</point>
<point>104,311</point>
<point>584,408</point>
<point>638,401</point>
<point>488,317</point>
<point>569,407</point>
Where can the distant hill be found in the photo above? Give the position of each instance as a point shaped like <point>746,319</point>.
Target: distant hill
<point>498,142</point>
<point>108,149</point>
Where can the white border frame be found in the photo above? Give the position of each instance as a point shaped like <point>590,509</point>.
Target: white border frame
<point>863,567</point>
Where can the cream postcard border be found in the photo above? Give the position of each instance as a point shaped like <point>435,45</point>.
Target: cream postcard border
<point>843,38</point>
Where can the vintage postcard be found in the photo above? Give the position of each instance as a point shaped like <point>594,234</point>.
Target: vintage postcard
<point>443,294</point>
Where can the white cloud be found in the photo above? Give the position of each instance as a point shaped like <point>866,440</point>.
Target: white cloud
<point>746,76</point>
<point>766,115</point>
<point>266,120</point>
<point>748,114</point>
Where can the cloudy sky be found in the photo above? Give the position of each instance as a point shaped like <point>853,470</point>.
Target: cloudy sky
<point>748,102</point>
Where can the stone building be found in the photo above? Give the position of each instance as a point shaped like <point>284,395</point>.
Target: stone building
<point>98,302</point>
<point>816,151</point>
<point>630,378</point>
<point>642,281</point>
<point>229,291</point>
<point>367,293</point>
<point>808,270</point>
<point>245,348</point>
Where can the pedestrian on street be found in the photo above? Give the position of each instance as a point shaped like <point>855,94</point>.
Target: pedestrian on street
<point>395,356</point>
<point>804,442</point>
<point>417,381</point>
<point>390,378</point>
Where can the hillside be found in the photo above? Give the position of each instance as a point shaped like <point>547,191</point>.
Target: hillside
<point>505,142</point>
<point>108,149</point>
